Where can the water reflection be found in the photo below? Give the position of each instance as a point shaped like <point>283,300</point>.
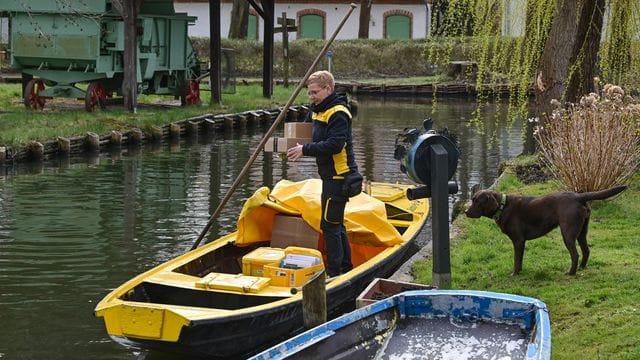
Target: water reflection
<point>481,151</point>
<point>72,229</point>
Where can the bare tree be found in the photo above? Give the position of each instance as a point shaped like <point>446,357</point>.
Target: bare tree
<point>129,10</point>
<point>239,19</point>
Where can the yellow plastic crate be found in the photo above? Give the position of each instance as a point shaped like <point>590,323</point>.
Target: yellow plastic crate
<point>294,277</point>
<point>253,262</point>
<point>290,277</point>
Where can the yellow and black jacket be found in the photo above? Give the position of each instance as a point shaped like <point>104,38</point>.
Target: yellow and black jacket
<point>332,143</point>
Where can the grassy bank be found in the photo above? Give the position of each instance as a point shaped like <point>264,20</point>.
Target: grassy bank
<point>67,117</point>
<point>594,315</point>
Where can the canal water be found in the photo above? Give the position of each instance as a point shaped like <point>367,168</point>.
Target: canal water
<point>73,229</point>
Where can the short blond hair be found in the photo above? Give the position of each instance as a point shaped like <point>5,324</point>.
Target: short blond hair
<point>322,78</point>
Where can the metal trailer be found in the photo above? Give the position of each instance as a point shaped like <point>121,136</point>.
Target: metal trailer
<point>61,43</point>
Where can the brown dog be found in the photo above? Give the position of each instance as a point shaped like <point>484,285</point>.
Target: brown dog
<point>524,218</point>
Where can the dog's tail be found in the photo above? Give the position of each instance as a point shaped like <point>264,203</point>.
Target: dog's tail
<point>601,195</point>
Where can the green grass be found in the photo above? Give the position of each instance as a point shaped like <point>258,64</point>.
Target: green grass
<point>67,118</point>
<point>595,314</point>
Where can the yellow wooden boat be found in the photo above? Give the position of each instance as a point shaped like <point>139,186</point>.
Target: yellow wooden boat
<point>233,296</point>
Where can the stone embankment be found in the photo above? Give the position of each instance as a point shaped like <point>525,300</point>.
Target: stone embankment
<point>91,142</point>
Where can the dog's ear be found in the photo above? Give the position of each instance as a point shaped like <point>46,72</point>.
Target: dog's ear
<point>495,198</point>
<point>487,200</point>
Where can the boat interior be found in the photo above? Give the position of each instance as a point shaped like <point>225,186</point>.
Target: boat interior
<point>233,274</point>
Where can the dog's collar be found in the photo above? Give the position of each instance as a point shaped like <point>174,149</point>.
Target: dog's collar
<point>503,203</point>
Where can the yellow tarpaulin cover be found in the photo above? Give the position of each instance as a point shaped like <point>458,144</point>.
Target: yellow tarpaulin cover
<point>365,216</point>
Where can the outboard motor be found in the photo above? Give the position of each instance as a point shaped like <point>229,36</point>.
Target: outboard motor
<point>412,149</point>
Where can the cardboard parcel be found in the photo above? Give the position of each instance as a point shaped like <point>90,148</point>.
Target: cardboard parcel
<point>294,133</point>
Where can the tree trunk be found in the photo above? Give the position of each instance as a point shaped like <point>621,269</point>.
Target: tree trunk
<point>568,62</point>
<point>239,19</point>
<point>365,16</point>
<point>129,9</point>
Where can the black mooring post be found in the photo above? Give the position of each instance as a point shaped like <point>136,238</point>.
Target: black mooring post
<point>440,217</point>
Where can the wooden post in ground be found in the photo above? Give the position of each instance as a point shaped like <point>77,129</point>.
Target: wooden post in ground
<point>208,125</point>
<point>174,131</point>
<point>64,146</point>
<point>156,133</point>
<point>136,136</point>
<point>36,150</point>
<point>192,128</point>
<point>92,141</point>
<point>116,138</point>
<point>314,301</point>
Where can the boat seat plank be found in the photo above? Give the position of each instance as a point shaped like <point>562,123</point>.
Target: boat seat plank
<point>192,282</point>
<point>172,278</point>
<point>233,282</point>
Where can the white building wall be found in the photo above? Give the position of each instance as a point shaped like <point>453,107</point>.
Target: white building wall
<point>201,11</point>
<point>335,14</point>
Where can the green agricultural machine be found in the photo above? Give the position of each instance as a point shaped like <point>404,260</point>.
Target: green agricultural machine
<point>62,43</point>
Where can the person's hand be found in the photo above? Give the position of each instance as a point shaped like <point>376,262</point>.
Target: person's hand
<point>295,152</point>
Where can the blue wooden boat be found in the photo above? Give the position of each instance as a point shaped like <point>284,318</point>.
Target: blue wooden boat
<point>429,324</point>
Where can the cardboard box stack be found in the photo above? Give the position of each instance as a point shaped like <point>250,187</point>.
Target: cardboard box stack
<point>294,133</point>
<point>293,231</point>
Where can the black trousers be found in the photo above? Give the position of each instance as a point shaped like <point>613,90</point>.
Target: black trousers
<point>332,224</point>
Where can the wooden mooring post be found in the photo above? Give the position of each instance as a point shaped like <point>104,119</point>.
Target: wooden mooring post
<point>314,301</point>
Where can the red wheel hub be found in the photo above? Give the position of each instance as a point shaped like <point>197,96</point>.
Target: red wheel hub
<point>32,98</point>
<point>191,93</point>
<point>95,96</point>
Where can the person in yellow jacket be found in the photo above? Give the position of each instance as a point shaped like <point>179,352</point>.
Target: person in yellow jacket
<point>332,147</point>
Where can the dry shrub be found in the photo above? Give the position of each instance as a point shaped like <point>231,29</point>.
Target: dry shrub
<point>593,145</point>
